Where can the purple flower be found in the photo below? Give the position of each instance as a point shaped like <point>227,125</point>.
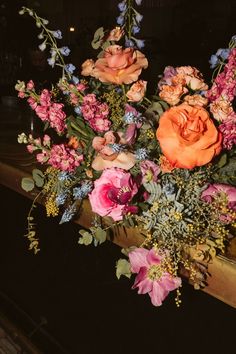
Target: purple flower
<point>223,53</point>
<point>138,2</point>
<point>149,171</point>
<point>128,42</point>
<point>135,29</point>
<point>138,17</point>
<point>120,19</point>
<point>140,43</point>
<point>51,61</point>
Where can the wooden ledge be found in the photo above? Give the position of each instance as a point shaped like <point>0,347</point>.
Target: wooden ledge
<point>16,164</point>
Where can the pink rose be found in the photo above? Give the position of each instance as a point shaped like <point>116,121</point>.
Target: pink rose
<point>119,66</point>
<point>137,91</point>
<point>112,193</point>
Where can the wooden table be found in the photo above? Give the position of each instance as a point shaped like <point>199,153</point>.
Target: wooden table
<point>16,162</point>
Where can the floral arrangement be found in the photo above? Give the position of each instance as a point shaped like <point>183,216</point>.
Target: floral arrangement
<point>163,164</point>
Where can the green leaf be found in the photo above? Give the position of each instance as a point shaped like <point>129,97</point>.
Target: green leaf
<point>123,268</point>
<point>27,184</point>
<point>100,235</point>
<point>97,38</point>
<point>38,177</point>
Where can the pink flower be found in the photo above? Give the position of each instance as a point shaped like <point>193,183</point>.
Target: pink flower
<point>30,85</point>
<point>149,170</point>
<point>42,112</point>
<point>106,157</point>
<point>115,34</point>
<point>32,102</point>
<point>57,117</point>
<point>228,130</point>
<point>112,193</point>
<point>152,276</point>
<point>63,158</point>
<point>218,189</point>
<point>45,98</point>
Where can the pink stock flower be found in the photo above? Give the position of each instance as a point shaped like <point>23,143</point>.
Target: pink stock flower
<point>45,98</point>
<point>32,102</point>
<point>152,277</point>
<point>228,130</point>
<point>42,112</point>
<point>112,192</point>
<point>56,117</point>
<point>63,158</point>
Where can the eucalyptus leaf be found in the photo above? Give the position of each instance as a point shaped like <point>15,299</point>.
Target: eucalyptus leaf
<point>38,177</point>
<point>27,184</point>
<point>123,268</point>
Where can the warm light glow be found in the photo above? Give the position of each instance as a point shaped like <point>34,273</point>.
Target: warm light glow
<point>72,29</point>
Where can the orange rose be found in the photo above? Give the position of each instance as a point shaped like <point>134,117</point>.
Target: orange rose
<point>119,66</point>
<point>188,137</point>
<point>137,91</point>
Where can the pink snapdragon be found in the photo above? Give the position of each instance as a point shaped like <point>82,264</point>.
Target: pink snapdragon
<point>152,278</point>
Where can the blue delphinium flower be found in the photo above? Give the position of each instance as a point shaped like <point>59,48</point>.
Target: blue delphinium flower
<point>82,191</point>
<point>138,2</point>
<point>57,34</point>
<point>64,51</point>
<point>223,53</point>
<point>140,43</point>
<point>138,17</point>
<point>135,29</point>
<point>168,189</point>
<point>42,46</point>
<point>141,154</point>
<point>51,61</point>
<point>122,6</point>
<point>120,19</point>
<point>214,61</point>
<point>69,68</point>
<point>129,42</point>
<point>233,38</point>
<point>68,214</point>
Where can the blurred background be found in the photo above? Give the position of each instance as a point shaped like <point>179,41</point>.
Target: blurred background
<point>67,298</point>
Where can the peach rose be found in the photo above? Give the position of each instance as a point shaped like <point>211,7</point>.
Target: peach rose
<point>193,77</point>
<point>188,137</point>
<point>137,91</point>
<point>106,157</point>
<point>87,67</point>
<point>119,66</point>
<point>196,100</point>
<point>115,34</point>
<point>172,94</point>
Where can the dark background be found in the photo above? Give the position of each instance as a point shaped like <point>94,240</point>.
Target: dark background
<point>74,287</point>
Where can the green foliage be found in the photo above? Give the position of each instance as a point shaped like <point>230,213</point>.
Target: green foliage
<point>27,184</point>
<point>123,268</point>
